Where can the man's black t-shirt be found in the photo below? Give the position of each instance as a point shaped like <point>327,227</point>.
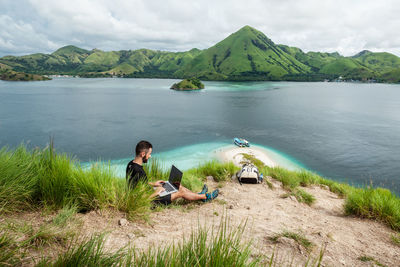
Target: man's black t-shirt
<point>134,173</point>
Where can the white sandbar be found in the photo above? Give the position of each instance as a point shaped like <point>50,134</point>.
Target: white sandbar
<point>235,154</point>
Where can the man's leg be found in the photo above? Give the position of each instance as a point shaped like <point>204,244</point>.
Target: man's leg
<point>187,194</point>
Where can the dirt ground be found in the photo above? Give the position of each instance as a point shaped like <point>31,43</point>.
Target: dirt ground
<point>267,214</point>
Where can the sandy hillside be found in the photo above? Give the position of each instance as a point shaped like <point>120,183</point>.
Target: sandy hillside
<point>268,214</point>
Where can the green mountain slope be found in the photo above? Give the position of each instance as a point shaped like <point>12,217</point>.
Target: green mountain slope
<point>99,57</point>
<point>380,62</point>
<point>121,69</point>
<point>315,60</point>
<point>245,54</point>
<point>65,59</point>
<point>392,76</point>
<point>341,66</point>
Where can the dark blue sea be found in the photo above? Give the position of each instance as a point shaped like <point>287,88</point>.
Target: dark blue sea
<point>344,131</point>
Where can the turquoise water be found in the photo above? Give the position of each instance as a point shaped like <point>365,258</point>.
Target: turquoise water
<point>242,86</point>
<point>191,156</point>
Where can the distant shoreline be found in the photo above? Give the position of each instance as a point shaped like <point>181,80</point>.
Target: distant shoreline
<point>238,81</point>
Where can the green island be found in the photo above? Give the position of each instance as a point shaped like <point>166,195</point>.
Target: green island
<point>188,85</point>
<point>56,213</point>
<point>245,55</point>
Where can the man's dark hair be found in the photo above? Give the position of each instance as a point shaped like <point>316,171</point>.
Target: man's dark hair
<point>142,146</point>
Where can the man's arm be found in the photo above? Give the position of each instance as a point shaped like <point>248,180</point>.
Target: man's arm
<point>159,188</point>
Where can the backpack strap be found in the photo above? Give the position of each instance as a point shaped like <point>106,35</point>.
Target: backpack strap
<point>237,176</point>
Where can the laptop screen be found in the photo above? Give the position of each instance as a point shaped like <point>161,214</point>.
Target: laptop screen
<point>175,176</point>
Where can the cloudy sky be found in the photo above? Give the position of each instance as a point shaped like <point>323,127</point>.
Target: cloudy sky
<point>31,26</point>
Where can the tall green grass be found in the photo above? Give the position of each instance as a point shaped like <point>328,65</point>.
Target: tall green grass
<point>374,203</point>
<point>18,179</point>
<point>216,246</point>
<point>43,178</point>
<point>195,177</point>
<point>89,253</point>
<point>155,170</point>
<point>222,245</point>
<point>55,173</point>
<point>292,179</point>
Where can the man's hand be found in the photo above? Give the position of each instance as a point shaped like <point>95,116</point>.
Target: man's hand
<point>159,190</point>
<point>159,183</point>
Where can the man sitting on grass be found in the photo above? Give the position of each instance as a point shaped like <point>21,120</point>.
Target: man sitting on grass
<point>135,172</point>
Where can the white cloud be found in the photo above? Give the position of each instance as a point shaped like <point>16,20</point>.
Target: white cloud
<point>344,26</point>
<point>19,36</point>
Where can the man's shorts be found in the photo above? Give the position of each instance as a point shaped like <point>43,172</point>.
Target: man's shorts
<point>165,200</point>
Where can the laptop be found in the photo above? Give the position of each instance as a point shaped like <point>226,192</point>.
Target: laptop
<point>173,183</point>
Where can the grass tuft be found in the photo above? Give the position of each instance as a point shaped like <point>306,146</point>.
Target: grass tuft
<point>258,163</point>
<point>269,184</point>
<point>64,216</point>
<point>90,253</point>
<point>365,258</point>
<point>395,239</point>
<point>303,197</point>
<point>47,235</point>
<point>296,236</point>
<point>292,179</point>
<point>219,171</point>
<point>136,203</point>
<point>374,203</point>
<point>8,250</point>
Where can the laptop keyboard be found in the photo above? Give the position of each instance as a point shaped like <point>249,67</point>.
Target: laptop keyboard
<point>168,187</point>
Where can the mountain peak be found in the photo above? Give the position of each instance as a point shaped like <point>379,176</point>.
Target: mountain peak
<point>249,33</point>
<point>70,49</point>
<point>246,28</point>
<point>246,53</point>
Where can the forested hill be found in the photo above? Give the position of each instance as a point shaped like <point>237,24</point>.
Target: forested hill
<point>244,55</point>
